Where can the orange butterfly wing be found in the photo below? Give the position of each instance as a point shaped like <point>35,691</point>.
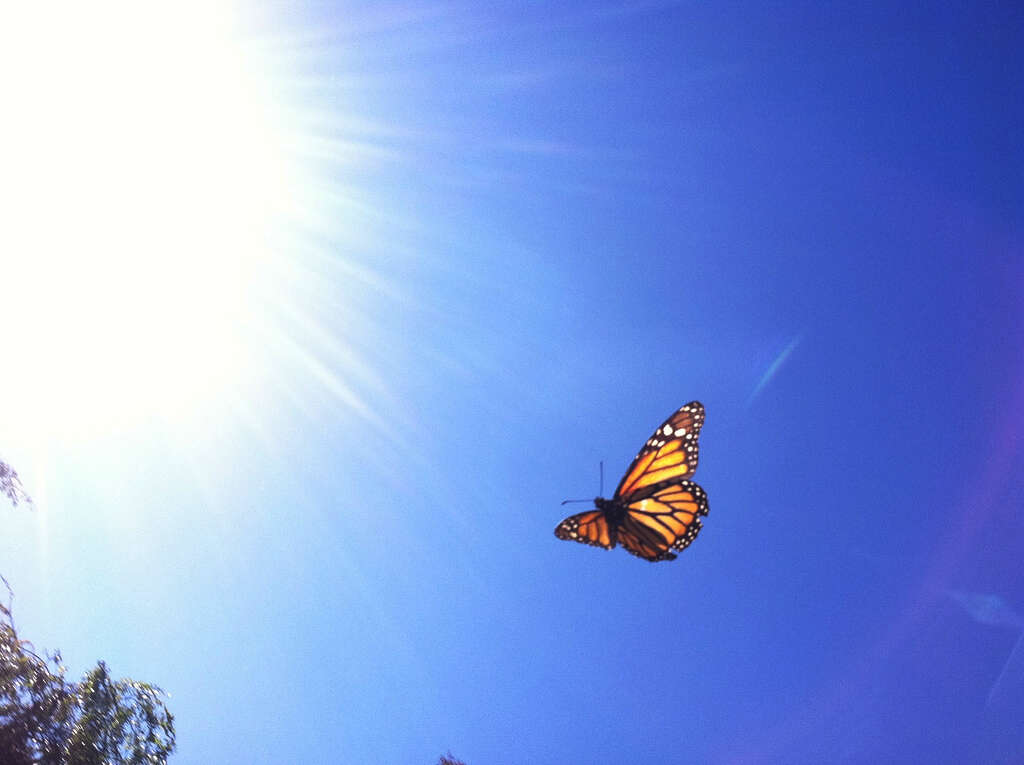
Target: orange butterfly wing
<point>591,528</point>
<point>669,455</point>
<point>655,510</point>
<point>666,521</point>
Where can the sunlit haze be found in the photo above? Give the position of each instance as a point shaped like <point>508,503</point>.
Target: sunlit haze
<point>146,172</point>
<point>314,313</point>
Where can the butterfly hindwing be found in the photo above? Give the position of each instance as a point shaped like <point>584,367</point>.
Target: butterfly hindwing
<point>590,528</point>
<point>666,521</point>
<point>670,454</point>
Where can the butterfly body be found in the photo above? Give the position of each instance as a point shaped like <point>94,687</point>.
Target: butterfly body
<point>613,511</point>
<point>655,509</point>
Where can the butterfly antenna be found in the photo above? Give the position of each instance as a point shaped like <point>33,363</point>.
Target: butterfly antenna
<point>567,501</point>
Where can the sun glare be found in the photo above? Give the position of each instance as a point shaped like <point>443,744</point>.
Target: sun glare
<point>144,173</point>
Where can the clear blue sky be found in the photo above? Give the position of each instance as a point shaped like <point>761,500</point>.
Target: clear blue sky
<point>319,312</point>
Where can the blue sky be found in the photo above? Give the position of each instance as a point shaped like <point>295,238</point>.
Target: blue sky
<point>315,327</point>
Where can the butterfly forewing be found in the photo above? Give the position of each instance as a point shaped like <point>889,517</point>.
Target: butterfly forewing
<point>670,454</point>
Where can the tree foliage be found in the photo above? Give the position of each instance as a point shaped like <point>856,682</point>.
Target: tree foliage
<point>10,485</point>
<point>33,701</point>
<point>46,720</point>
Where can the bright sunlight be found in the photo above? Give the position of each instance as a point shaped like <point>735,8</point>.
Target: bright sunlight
<point>144,172</point>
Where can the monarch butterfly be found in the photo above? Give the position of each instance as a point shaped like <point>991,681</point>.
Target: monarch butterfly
<point>655,508</point>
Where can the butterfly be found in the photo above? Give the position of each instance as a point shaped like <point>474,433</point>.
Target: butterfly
<point>655,510</point>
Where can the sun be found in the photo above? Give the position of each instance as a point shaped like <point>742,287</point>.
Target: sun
<point>144,175</point>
